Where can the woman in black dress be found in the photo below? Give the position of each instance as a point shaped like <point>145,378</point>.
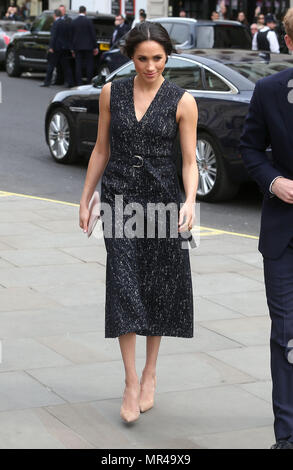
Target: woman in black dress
<point>148,276</point>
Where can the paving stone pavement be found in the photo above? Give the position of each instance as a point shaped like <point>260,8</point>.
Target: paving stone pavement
<point>61,381</point>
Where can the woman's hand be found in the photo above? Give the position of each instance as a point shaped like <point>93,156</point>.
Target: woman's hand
<point>187,211</point>
<point>84,215</point>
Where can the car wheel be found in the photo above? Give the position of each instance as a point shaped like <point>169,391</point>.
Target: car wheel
<point>61,136</point>
<point>13,68</point>
<point>214,183</point>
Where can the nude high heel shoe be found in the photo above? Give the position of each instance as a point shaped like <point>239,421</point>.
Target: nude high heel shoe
<point>127,415</point>
<point>146,404</point>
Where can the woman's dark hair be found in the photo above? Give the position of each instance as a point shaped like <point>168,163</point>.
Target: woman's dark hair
<point>147,31</point>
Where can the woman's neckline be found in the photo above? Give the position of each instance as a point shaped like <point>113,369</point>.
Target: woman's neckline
<point>151,103</point>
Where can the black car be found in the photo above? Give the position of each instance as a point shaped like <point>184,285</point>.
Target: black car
<point>29,52</point>
<point>188,34</point>
<point>222,86</point>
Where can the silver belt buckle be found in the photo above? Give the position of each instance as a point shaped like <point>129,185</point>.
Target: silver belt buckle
<point>141,159</point>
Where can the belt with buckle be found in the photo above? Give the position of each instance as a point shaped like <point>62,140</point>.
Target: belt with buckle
<point>139,159</point>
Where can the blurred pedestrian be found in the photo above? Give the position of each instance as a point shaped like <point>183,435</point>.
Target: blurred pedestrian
<point>142,17</point>
<point>59,50</point>
<point>11,14</point>
<point>84,45</point>
<point>269,123</point>
<point>121,28</point>
<point>215,16</point>
<point>138,20</point>
<point>266,39</point>
<point>243,20</point>
<point>253,29</point>
<point>260,21</point>
<point>182,13</point>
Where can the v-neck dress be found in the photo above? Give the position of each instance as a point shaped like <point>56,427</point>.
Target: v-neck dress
<point>148,280</point>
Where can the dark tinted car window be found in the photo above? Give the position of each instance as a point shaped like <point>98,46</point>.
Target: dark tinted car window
<point>255,72</point>
<point>179,33</point>
<point>222,36</point>
<point>215,83</point>
<point>46,26</point>
<point>125,72</point>
<point>104,29</point>
<point>42,23</point>
<point>184,73</point>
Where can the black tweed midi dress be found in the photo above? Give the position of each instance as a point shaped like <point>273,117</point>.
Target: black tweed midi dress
<point>148,280</point>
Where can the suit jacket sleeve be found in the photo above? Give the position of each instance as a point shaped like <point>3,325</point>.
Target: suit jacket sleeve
<point>53,36</point>
<point>253,144</point>
<point>93,34</point>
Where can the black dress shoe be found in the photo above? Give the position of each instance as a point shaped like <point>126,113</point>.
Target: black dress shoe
<point>44,84</point>
<point>283,444</point>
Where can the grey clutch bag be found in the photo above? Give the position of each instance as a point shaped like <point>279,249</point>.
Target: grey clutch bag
<point>94,209</point>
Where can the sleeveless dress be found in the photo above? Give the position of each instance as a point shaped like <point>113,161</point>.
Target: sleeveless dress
<point>148,280</point>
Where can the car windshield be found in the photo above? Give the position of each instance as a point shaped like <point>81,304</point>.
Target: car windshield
<point>255,72</point>
<point>222,36</point>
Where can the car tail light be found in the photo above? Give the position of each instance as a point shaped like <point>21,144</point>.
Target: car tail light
<point>6,39</point>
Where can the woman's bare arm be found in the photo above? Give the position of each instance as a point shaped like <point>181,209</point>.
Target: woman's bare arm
<point>187,116</point>
<point>99,157</point>
<point>101,152</point>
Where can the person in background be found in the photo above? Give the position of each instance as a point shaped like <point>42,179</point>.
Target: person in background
<point>120,29</point>
<point>84,45</point>
<point>269,122</point>
<point>138,20</point>
<point>266,39</point>
<point>215,16</point>
<point>260,21</point>
<point>11,14</point>
<point>59,50</point>
<point>182,13</point>
<point>23,11</point>
<point>142,17</point>
<point>253,29</point>
<point>243,20</point>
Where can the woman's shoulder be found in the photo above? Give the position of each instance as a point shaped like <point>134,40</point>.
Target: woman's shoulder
<point>177,91</point>
<point>121,82</point>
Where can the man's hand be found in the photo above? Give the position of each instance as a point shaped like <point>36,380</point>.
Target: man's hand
<point>283,189</point>
<point>96,51</point>
<point>51,50</point>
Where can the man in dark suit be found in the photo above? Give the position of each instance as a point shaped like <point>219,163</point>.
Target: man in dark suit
<point>270,122</point>
<point>84,45</point>
<point>59,49</point>
<point>121,28</point>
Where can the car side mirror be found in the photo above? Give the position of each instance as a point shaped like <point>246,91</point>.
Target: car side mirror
<point>99,80</point>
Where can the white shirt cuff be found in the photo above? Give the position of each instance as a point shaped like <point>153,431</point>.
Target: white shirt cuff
<point>270,188</point>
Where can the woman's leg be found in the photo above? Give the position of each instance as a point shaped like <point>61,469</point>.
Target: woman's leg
<point>148,378</point>
<point>130,405</point>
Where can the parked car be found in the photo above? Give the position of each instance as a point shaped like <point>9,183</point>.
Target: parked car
<point>29,52</point>
<point>9,30</point>
<point>187,34</point>
<point>222,86</point>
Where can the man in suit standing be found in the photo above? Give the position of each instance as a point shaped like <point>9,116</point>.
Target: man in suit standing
<point>59,50</point>
<point>84,45</point>
<point>120,29</point>
<point>270,122</point>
